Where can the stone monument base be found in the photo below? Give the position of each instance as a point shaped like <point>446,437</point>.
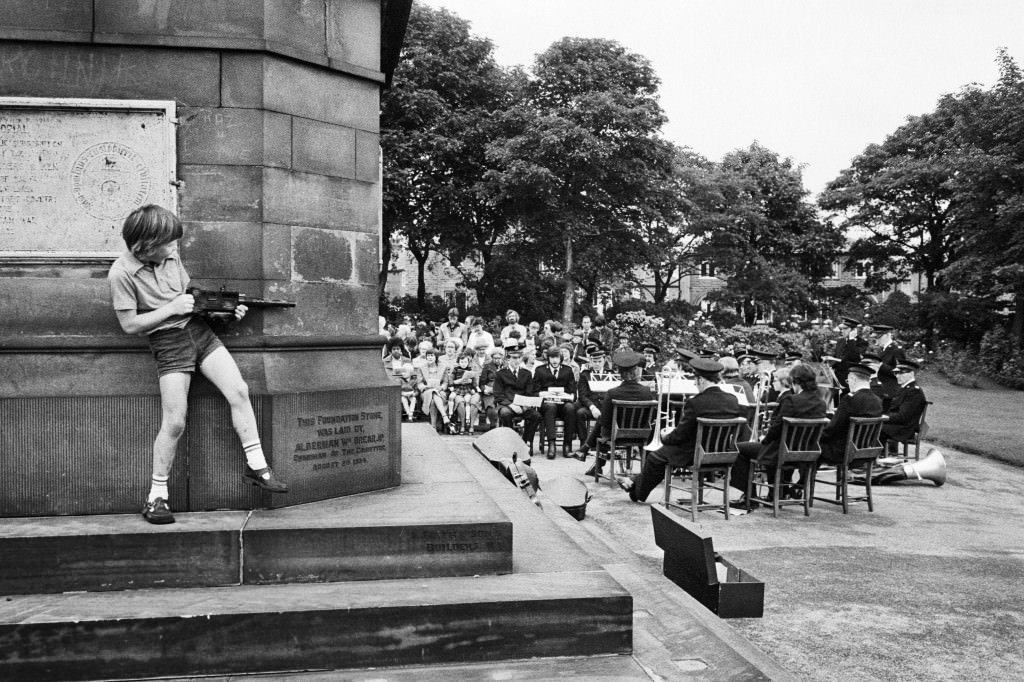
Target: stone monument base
<point>329,420</point>
<point>430,572</point>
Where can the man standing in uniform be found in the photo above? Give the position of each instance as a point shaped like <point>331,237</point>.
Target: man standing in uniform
<point>890,352</point>
<point>848,349</point>
<point>678,443</point>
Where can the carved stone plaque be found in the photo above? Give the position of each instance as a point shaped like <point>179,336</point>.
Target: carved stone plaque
<point>71,170</point>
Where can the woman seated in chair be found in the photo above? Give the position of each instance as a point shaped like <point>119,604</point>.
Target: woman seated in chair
<point>798,398</point>
<point>433,387</point>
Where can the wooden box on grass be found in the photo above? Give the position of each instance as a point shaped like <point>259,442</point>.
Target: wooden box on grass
<point>691,563</point>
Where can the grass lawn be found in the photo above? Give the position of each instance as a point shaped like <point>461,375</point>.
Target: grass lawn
<point>985,421</point>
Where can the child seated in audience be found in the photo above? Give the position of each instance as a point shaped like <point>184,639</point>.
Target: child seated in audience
<point>409,392</point>
<point>463,386</point>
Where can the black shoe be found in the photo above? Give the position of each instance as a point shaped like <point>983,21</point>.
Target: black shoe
<point>265,479</point>
<point>581,454</point>
<point>595,468</point>
<point>742,503</point>
<point>158,512</point>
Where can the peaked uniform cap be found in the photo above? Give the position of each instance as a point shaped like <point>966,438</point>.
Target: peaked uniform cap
<point>627,359</point>
<point>706,367</point>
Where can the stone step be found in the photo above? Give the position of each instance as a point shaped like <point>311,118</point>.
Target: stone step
<point>439,523</point>
<point>556,602</point>
<point>207,631</point>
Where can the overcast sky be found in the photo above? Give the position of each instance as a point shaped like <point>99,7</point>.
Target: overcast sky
<point>814,80</point>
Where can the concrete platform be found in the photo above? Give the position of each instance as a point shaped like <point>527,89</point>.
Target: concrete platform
<point>557,602</point>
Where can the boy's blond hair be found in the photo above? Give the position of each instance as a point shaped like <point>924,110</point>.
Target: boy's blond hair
<point>149,227</point>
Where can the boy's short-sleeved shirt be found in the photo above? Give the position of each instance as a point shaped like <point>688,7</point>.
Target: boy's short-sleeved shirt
<point>139,286</point>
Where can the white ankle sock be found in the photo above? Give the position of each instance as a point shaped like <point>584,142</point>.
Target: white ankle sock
<point>158,488</point>
<point>254,455</point>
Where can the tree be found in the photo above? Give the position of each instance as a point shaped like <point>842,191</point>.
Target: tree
<point>674,222</point>
<point>988,192</point>
<point>898,195</point>
<point>434,129</point>
<point>769,241</point>
<point>944,196</point>
<point>580,155</point>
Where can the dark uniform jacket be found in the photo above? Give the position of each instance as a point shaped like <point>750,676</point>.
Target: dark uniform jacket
<point>848,352</point>
<point>904,413</point>
<point>543,379</point>
<point>507,385</point>
<point>487,374</point>
<point>885,386</point>
<point>585,397</point>
<point>649,373</point>
<point>627,390</point>
<point>892,355</point>
<point>712,403</point>
<point>863,403</point>
<point>803,405</point>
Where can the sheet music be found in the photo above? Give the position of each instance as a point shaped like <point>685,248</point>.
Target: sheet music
<point>679,385</point>
<point>527,400</point>
<point>738,391</point>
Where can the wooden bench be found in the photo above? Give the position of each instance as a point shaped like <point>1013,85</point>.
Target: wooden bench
<point>692,563</point>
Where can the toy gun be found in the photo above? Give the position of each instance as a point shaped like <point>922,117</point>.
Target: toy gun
<point>221,304</point>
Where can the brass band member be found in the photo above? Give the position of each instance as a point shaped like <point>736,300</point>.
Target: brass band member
<point>799,398</point>
<point>629,364</point>
<point>545,377</point>
<point>678,443</point>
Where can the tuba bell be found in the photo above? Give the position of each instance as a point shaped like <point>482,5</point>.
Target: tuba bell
<point>931,468</point>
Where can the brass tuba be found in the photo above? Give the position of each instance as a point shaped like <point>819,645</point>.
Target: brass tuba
<point>931,468</point>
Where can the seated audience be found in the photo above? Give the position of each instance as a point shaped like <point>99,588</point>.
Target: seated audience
<point>487,375</point>
<point>451,329</point>
<point>513,330</point>
<point>477,335</point>
<point>410,393</point>
<point>433,386</point>
<point>463,395</point>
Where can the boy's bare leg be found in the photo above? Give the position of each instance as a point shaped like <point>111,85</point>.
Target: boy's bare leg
<point>173,408</point>
<point>220,368</point>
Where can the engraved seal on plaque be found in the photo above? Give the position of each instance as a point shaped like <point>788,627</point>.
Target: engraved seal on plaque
<point>109,180</point>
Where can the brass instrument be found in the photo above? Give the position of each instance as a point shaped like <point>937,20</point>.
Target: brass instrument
<point>760,392</point>
<point>665,413</point>
<point>931,468</point>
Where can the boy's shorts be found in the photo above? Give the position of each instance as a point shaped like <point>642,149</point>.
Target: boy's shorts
<point>184,349</point>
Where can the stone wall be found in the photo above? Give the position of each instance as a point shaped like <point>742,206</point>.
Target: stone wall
<point>277,151</point>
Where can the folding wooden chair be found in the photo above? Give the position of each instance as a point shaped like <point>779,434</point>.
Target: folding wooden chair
<point>799,450</point>
<point>863,446</point>
<point>715,452</point>
<point>632,422</point>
